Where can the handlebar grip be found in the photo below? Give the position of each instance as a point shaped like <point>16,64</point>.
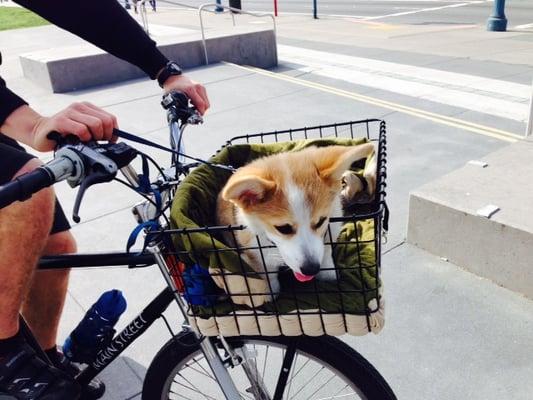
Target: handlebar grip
<point>22,187</point>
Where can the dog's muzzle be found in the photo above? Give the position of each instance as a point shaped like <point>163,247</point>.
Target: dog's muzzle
<point>309,270</point>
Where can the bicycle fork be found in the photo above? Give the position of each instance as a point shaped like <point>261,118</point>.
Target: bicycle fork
<point>211,354</point>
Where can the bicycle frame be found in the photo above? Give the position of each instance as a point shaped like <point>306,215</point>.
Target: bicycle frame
<point>153,311</point>
<point>158,305</point>
<point>219,355</point>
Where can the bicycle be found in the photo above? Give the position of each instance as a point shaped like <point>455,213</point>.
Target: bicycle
<point>241,367</point>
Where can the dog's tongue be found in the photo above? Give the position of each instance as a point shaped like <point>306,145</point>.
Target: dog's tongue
<point>302,277</point>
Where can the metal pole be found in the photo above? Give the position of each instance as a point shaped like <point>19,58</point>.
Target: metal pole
<point>204,42</point>
<point>497,21</point>
<point>315,11</point>
<point>275,8</point>
<point>529,127</point>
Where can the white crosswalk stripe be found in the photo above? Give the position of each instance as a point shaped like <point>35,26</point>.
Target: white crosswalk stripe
<point>490,96</point>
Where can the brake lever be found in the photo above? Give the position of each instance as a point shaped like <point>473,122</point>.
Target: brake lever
<point>104,162</point>
<point>98,163</point>
<point>96,177</point>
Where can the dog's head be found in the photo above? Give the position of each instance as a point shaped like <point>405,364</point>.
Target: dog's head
<point>290,198</point>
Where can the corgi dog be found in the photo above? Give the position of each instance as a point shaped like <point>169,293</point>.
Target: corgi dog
<point>285,201</point>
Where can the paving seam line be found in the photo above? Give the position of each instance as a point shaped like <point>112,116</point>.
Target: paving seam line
<point>438,118</point>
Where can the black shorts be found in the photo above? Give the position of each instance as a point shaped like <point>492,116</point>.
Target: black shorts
<point>12,158</point>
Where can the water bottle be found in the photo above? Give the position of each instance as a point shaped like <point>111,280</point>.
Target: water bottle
<point>96,329</point>
<point>200,289</point>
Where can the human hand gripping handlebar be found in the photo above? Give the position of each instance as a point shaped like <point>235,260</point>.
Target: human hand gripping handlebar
<point>87,163</point>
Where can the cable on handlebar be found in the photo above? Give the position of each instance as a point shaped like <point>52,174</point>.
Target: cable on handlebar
<point>146,142</point>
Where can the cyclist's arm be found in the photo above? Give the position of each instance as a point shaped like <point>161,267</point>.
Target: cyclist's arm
<point>22,123</point>
<point>9,102</point>
<point>106,24</point>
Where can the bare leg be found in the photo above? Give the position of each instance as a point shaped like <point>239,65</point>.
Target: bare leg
<point>24,229</point>
<point>46,297</point>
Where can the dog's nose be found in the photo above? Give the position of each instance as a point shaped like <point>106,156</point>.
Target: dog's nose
<point>310,268</point>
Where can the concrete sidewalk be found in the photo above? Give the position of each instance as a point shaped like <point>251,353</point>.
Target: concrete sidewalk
<point>449,334</point>
<point>436,311</point>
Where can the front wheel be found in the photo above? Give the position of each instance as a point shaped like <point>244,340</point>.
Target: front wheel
<point>322,368</point>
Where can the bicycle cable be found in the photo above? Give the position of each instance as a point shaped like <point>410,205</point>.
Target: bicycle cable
<point>146,142</point>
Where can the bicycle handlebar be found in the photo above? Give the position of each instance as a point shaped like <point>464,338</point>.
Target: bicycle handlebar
<point>22,187</point>
<point>82,164</point>
<point>88,163</point>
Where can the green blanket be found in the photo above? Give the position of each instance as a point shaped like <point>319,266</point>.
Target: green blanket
<point>195,204</point>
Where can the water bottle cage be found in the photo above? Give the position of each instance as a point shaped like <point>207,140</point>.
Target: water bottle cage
<point>77,352</point>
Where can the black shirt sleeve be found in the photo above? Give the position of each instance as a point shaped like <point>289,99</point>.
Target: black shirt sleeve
<point>106,24</point>
<point>9,101</point>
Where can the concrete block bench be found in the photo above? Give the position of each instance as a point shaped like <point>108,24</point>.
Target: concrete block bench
<point>71,68</point>
<point>444,218</point>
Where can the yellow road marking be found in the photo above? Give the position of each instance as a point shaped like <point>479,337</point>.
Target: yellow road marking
<point>438,118</point>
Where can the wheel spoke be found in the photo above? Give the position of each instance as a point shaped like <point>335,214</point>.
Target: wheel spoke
<point>309,380</point>
<point>322,386</point>
<point>265,363</point>
<point>301,368</point>
<point>201,366</point>
<point>288,396</point>
<point>194,386</point>
<point>180,396</point>
<point>336,395</point>
<point>206,374</point>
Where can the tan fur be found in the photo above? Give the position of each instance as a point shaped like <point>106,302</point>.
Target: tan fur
<point>258,190</point>
<point>266,177</point>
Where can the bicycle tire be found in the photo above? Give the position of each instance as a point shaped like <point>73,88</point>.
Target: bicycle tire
<point>329,351</point>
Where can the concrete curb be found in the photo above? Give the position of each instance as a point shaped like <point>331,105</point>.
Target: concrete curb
<point>78,67</point>
<point>444,218</point>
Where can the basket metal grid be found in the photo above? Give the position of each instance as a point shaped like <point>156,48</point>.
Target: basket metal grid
<point>211,302</point>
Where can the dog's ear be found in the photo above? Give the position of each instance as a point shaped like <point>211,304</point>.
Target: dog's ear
<point>246,190</point>
<point>332,161</point>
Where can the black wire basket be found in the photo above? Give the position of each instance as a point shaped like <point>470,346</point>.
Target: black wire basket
<point>223,295</point>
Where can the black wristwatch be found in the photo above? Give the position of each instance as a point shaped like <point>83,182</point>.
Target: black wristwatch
<point>170,69</point>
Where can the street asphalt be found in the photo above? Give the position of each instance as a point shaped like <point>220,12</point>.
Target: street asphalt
<point>441,87</point>
<point>423,12</point>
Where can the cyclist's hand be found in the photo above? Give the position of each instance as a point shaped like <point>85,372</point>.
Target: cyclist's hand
<point>194,91</point>
<point>84,120</point>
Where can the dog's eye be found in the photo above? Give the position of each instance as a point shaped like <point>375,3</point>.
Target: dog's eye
<point>320,222</point>
<point>284,229</point>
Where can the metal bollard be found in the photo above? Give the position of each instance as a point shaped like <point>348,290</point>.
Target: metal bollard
<point>497,21</point>
<point>529,127</point>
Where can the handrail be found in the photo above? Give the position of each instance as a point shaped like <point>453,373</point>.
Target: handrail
<point>144,16</point>
<point>529,126</point>
<point>237,11</point>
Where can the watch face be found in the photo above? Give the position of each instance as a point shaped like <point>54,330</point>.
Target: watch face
<point>170,69</point>
<point>174,68</point>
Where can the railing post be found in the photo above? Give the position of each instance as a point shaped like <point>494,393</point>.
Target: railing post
<point>529,127</point>
<point>497,21</point>
<point>144,16</point>
<point>315,10</point>
<point>203,7</point>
